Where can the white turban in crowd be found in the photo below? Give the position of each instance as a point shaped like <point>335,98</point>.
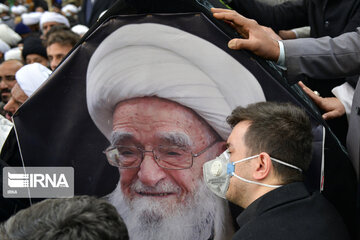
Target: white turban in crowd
<point>8,35</point>
<point>18,10</point>
<point>53,17</point>
<point>14,53</point>
<point>69,9</point>
<point>79,29</point>
<point>31,76</point>
<point>149,59</point>
<point>31,18</point>
<point>4,47</point>
<point>3,8</point>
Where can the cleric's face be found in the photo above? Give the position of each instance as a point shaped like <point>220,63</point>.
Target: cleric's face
<point>150,122</point>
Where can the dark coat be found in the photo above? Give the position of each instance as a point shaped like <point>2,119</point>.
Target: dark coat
<point>290,212</point>
<point>325,17</point>
<point>98,7</point>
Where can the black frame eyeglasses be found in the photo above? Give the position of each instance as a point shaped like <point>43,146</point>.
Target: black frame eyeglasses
<point>167,157</point>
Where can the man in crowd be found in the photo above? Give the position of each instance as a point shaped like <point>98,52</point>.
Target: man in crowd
<point>7,79</point>
<point>28,78</point>
<point>80,217</point>
<point>162,127</point>
<point>34,51</point>
<point>262,169</point>
<point>59,42</point>
<point>50,19</point>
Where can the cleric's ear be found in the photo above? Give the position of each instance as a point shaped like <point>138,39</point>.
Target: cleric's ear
<point>263,166</point>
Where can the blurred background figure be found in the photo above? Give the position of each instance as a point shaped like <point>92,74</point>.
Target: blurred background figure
<point>23,30</point>
<point>5,16</point>
<point>9,36</point>
<point>32,20</point>
<point>4,47</point>
<point>80,29</point>
<point>29,78</point>
<point>71,11</point>
<point>13,54</point>
<point>34,51</point>
<point>17,11</point>
<point>40,5</point>
<point>50,19</point>
<point>81,217</point>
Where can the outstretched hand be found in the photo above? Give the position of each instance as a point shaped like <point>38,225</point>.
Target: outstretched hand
<point>256,37</point>
<point>331,105</point>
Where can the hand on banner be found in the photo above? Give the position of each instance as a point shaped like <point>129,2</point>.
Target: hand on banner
<point>257,39</point>
<point>331,105</point>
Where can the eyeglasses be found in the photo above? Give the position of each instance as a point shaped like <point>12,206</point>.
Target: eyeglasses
<point>168,157</point>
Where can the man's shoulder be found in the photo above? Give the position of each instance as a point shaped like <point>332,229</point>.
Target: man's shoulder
<point>307,217</point>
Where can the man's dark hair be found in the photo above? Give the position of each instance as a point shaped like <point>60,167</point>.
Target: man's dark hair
<point>61,35</point>
<point>280,129</point>
<point>81,217</point>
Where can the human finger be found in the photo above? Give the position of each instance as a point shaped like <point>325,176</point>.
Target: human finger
<point>331,114</point>
<point>238,44</point>
<point>233,16</point>
<point>316,98</point>
<point>218,10</point>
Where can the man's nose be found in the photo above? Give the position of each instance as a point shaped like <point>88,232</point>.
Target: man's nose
<point>53,64</point>
<point>150,173</point>
<point>3,85</point>
<point>9,107</point>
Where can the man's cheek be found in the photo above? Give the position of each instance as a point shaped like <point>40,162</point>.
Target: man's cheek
<point>127,177</point>
<point>185,179</point>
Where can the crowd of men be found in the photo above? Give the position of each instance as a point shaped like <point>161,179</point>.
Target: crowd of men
<point>175,164</point>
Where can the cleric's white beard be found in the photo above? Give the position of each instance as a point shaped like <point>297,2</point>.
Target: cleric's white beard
<point>149,219</point>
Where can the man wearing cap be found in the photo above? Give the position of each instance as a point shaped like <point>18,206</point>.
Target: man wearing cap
<point>262,171</point>
<point>32,20</point>
<point>33,51</point>
<point>164,115</point>
<point>50,19</point>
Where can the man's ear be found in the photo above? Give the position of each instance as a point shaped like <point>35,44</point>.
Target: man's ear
<point>263,166</point>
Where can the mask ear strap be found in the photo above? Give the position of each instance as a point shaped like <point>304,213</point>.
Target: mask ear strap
<point>249,181</point>
<point>245,159</point>
<point>286,164</point>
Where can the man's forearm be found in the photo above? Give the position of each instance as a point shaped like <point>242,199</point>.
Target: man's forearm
<point>325,57</point>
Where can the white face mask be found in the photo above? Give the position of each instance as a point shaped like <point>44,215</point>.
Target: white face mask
<point>217,173</point>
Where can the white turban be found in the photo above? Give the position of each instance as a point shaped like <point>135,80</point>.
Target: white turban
<point>31,76</point>
<point>69,8</point>
<point>31,18</point>
<point>53,17</point>
<point>18,10</point>
<point>8,35</point>
<point>156,60</point>
<point>79,29</point>
<point>14,53</point>
<point>4,47</point>
<point>3,8</point>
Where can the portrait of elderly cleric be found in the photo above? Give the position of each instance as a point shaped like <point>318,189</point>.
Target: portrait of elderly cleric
<point>164,114</point>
